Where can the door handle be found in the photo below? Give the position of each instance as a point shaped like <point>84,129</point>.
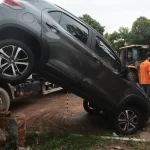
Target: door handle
<point>117,73</point>
<point>95,58</point>
<point>53,27</point>
<point>93,55</point>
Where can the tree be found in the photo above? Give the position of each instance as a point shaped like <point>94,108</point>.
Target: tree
<point>124,33</point>
<point>119,38</point>
<point>141,31</point>
<point>93,23</point>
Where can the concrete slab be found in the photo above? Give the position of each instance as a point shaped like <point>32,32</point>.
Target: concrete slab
<point>145,135</point>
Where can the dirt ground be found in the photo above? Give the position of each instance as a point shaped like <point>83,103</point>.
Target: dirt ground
<point>52,112</point>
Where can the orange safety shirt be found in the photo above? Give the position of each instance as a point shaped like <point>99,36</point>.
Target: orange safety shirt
<point>144,72</point>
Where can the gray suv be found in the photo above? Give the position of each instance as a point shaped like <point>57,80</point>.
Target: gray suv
<point>36,36</point>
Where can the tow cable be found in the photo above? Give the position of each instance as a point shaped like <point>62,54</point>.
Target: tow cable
<point>67,103</point>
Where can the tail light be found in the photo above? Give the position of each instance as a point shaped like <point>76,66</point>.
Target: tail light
<point>13,4</point>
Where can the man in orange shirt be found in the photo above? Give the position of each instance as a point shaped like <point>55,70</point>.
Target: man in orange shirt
<point>145,74</point>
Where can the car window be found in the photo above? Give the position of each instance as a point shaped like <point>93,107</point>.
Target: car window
<point>123,56</point>
<point>139,54</point>
<point>75,28</point>
<point>106,53</point>
<point>55,15</point>
<point>130,54</point>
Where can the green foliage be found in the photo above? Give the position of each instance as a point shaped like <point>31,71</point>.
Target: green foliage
<point>93,23</point>
<point>118,38</point>
<point>54,140</point>
<point>10,143</point>
<point>131,143</point>
<point>140,33</point>
<point>63,140</point>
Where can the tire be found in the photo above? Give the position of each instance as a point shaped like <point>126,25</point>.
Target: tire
<point>4,100</point>
<point>130,125</point>
<point>131,76</point>
<point>17,61</point>
<point>90,108</point>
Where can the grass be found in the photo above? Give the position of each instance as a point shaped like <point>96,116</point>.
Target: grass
<point>54,140</point>
<point>61,140</point>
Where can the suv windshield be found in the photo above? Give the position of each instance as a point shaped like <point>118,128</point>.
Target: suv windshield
<point>139,54</point>
<point>136,54</point>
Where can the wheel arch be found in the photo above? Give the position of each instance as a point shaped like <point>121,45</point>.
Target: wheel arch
<point>13,31</point>
<point>137,102</point>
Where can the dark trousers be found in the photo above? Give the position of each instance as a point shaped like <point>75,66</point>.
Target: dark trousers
<point>146,88</point>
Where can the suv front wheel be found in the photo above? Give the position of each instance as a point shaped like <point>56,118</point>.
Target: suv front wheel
<point>128,121</point>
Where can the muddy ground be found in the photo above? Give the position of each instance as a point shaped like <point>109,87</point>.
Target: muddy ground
<point>52,112</point>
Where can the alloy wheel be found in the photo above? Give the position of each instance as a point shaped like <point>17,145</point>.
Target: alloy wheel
<point>128,120</point>
<point>14,61</point>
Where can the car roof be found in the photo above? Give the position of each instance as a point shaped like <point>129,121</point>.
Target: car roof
<point>84,23</point>
<point>49,5</point>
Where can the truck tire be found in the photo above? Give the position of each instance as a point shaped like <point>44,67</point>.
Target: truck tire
<point>132,76</point>
<point>17,61</point>
<point>4,100</point>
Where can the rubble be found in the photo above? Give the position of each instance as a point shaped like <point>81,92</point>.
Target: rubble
<point>3,136</point>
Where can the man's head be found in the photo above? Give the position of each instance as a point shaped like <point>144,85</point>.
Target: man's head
<point>148,56</point>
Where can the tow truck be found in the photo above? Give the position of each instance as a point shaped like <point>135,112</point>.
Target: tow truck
<point>34,83</point>
<point>132,56</point>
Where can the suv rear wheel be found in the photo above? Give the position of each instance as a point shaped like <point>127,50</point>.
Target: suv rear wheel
<point>128,121</point>
<point>90,108</point>
<point>16,61</point>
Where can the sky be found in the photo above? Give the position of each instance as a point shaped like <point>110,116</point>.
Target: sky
<point>110,13</point>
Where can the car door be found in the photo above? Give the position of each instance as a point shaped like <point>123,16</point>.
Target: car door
<point>104,81</point>
<point>67,39</point>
